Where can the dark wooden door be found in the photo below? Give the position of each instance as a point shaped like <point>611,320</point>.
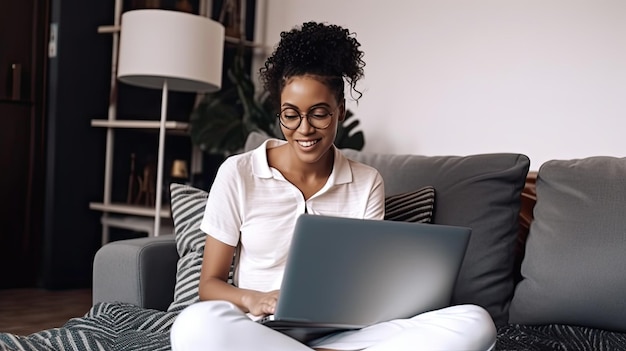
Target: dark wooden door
<point>23,57</point>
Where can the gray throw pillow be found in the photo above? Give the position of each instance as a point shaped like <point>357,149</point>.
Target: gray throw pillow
<point>482,192</point>
<point>573,269</point>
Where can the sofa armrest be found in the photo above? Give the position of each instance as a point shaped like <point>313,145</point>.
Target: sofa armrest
<point>139,271</point>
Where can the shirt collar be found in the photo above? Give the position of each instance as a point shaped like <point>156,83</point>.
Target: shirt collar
<point>341,174</point>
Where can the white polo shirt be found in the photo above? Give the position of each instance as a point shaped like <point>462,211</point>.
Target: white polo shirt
<point>253,203</point>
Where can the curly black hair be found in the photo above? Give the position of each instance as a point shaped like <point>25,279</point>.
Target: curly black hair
<point>327,51</point>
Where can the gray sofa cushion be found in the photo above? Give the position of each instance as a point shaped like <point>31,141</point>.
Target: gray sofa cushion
<point>573,270</point>
<point>482,192</point>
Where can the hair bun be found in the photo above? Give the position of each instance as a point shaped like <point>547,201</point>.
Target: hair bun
<point>314,48</point>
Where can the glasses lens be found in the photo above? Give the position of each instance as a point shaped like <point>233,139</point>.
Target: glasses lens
<point>318,117</point>
<point>290,118</point>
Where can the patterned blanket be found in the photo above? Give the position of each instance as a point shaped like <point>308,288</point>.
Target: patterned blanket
<point>106,327</point>
<point>558,337</point>
<point>126,327</point>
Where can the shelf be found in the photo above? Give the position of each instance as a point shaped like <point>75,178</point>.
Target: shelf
<point>136,210</point>
<point>139,124</point>
<point>246,43</point>
<point>108,29</point>
<point>232,40</point>
<point>139,224</point>
<point>171,127</point>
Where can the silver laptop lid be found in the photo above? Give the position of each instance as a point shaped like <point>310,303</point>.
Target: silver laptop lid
<point>351,273</point>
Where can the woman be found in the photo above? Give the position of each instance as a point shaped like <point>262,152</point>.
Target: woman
<point>257,196</point>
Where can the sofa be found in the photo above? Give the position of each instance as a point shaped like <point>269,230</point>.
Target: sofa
<point>545,257</point>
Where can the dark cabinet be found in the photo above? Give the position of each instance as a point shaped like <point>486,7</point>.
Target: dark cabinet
<point>23,33</point>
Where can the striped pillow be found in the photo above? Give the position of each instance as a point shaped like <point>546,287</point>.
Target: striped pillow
<point>187,205</point>
<point>415,206</point>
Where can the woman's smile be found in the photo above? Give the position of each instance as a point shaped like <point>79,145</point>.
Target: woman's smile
<point>308,143</point>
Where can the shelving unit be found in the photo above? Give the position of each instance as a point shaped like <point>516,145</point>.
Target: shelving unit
<point>130,216</point>
<point>123,215</point>
<point>129,209</point>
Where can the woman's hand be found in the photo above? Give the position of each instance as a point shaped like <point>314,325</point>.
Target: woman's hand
<point>260,303</point>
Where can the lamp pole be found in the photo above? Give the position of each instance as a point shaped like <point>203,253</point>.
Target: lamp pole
<point>161,152</point>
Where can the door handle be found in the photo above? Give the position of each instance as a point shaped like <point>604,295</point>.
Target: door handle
<point>16,81</point>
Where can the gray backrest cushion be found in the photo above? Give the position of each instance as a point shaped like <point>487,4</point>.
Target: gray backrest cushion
<point>573,269</point>
<point>482,192</point>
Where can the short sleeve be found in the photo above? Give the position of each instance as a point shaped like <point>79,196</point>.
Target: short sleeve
<point>375,208</point>
<point>222,214</point>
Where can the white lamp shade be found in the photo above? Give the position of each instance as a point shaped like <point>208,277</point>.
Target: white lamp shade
<point>183,49</point>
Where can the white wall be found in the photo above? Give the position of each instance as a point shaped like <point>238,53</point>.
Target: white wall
<point>546,78</point>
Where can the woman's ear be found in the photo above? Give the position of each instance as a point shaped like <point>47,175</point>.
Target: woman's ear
<point>342,111</point>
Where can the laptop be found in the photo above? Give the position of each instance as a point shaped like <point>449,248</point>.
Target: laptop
<point>345,273</point>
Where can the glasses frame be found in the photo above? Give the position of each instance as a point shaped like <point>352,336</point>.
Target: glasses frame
<point>305,114</point>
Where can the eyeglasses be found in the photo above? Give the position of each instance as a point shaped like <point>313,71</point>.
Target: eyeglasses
<point>318,117</point>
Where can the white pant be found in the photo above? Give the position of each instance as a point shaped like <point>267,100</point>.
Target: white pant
<point>220,325</point>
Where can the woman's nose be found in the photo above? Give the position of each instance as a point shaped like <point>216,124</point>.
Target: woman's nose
<point>305,127</point>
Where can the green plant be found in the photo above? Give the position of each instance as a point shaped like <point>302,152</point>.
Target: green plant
<point>222,120</point>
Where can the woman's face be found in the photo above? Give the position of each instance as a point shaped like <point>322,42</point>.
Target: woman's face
<point>307,95</point>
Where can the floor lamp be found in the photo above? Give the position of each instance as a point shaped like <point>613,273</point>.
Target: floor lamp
<point>169,50</point>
